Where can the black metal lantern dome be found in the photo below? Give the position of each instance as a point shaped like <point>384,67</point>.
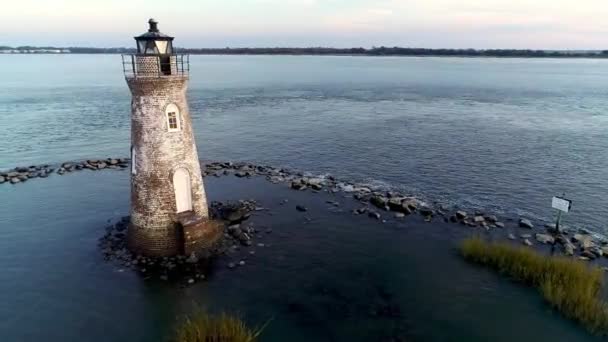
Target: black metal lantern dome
<point>154,42</point>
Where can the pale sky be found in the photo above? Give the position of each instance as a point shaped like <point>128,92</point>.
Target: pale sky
<point>538,24</point>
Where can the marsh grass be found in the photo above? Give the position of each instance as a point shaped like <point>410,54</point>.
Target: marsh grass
<point>204,327</point>
<point>569,285</point>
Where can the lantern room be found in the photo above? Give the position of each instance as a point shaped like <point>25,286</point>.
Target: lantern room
<point>155,56</point>
<point>154,42</point>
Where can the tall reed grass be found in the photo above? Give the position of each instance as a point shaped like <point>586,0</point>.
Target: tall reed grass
<point>570,286</point>
<point>204,327</point>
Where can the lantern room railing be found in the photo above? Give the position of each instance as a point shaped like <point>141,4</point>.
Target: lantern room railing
<point>142,65</point>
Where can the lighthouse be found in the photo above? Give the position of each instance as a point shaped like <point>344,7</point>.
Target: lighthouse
<point>169,213</point>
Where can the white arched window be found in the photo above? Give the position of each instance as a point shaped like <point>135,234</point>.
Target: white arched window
<point>133,169</point>
<point>173,119</point>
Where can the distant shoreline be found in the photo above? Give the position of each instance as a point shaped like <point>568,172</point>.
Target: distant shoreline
<point>319,51</point>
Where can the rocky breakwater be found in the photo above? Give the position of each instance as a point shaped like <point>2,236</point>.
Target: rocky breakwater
<point>21,174</point>
<point>376,202</point>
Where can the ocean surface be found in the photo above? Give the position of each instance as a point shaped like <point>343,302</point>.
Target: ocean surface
<point>498,134</point>
<point>502,135</point>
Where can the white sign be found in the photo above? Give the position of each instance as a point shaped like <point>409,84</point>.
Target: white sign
<point>561,204</point>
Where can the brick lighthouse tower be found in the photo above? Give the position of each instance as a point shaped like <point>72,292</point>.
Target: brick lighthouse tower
<point>169,213</point>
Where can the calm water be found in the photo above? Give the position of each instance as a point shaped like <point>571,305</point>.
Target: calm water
<point>337,278</point>
<point>499,134</point>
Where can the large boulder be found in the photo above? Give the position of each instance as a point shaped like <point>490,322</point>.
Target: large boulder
<point>525,223</point>
<point>237,216</point>
<point>2,179</point>
<point>545,238</point>
<point>584,240</point>
<point>298,185</point>
<point>395,203</point>
<point>569,249</point>
<point>461,215</point>
<point>379,201</point>
<point>491,218</point>
<point>479,219</point>
<point>411,203</point>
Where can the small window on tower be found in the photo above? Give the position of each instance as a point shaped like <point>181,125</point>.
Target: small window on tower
<point>173,123</point>
<point>172,120</point>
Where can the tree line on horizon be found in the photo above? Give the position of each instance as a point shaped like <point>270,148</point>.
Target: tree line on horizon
<point>374,51</point>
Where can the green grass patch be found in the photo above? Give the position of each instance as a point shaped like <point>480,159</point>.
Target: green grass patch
<point>570,286</point>
<point>204,327</point>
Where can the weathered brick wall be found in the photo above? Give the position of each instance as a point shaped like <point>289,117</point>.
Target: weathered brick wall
<point>158,153</point>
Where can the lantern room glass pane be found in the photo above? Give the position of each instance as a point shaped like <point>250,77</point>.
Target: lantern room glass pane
<point>151,48</point>
<point>141,46</point>
<point>161,45</point>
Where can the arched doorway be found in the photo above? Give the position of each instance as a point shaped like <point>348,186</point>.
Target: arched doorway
<point>183,191</point>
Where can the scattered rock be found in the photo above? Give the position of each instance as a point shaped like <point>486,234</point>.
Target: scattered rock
<point>479,219</point>
<point>298,185</point>
<point>374,215</point>
<point>588,254</point>
<point>598,252</point>
<point>192,259</point>
<point>360,211</point>
<point>461,215</point>
<point>426,211</point>
<point>512,237</point>
<point>527,242</point>
<point>525,223</point>
<point>499,224</point>
<point>491,218</point>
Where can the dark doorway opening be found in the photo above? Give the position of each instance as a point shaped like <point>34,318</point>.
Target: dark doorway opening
<point>165,65</point>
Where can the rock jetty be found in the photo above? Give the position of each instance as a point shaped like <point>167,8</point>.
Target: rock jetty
<point>21,174</point>
<point>375,203</point>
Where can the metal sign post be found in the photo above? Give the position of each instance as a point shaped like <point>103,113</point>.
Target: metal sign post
<point>562,205</point>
